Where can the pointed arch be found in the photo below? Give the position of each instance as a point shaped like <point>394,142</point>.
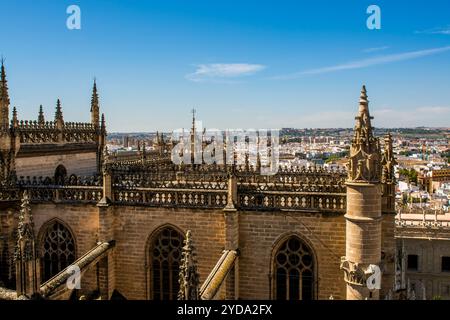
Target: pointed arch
<point>293,269</point>
<point>163,257</point>
<point>57,248</point>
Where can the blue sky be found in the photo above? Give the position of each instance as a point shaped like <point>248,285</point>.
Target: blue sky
<point>241,64</point>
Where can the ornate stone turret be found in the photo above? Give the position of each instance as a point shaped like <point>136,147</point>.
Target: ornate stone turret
<point>363,226</point>
<point>26,258</point>
<point>95,107</point>
<point>41,119</point>
<point>188,276</point>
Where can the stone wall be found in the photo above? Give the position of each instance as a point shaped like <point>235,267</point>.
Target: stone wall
<point>260,232</point>
<point>82,221</point>
<point>80,164</point>
<point>257,235</point>
<point>135,227</point>
<point>430,251</point>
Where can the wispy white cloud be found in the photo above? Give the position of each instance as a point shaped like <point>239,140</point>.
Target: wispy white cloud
<point>205,72</point>
<point>376,49</point>
<point>440,30</point>
<point>364,63</point>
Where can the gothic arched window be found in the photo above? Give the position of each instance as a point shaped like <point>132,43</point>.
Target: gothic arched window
<point>293,271</point>
<point>165,257</point>
<point>58,250</point>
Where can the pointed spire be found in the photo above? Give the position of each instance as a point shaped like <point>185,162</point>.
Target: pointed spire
<point>27,263</point>
<point>58,113</point>
<point>363,118</point>
<point>41,119</point>
<point>103,123</point>
<point>3,84</point>
<point>25,230</point>
<point>25,216</point>
<point>95,106</point>
<point>15,122</point>
<point>388,160</point>
<point>365,154</point>
<point>188,276</point>
<point>193,120</point>
<point>4,98</point>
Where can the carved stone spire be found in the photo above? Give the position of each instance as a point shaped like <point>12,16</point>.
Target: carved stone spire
<point>95,106</point>
<point>27,263</point>
<point>388,161</point>
<point>4,99</point>
<point>188,276</point>
<point>58,113</point>
<point>15,122</point>
<point>388,176</point>
<point>364,162</point>
<point>103,123</point>
<point>41,119</point>
<point>25,228</point>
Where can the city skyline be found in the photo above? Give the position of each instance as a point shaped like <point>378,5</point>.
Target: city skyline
<point>247,65</point>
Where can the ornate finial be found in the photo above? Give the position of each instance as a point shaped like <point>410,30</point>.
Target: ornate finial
<point>388,161</point>
<point>58,113</point>
<point>105,160</point>
<point>188,276</point>
<point>3,72</point>
<point>15,122</point>
<point>103,124</point>
<point>105,154</point>
<point>25,231</point>
<point>41,119</point>
<point>364,91</point>
<point>95,105</point>
<point>4,99</point>
<point>193,114</point>
<point>365,154</point>
<point>193,120</point>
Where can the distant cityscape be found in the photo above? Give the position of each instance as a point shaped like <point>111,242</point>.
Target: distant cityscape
<point>422,153</point>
